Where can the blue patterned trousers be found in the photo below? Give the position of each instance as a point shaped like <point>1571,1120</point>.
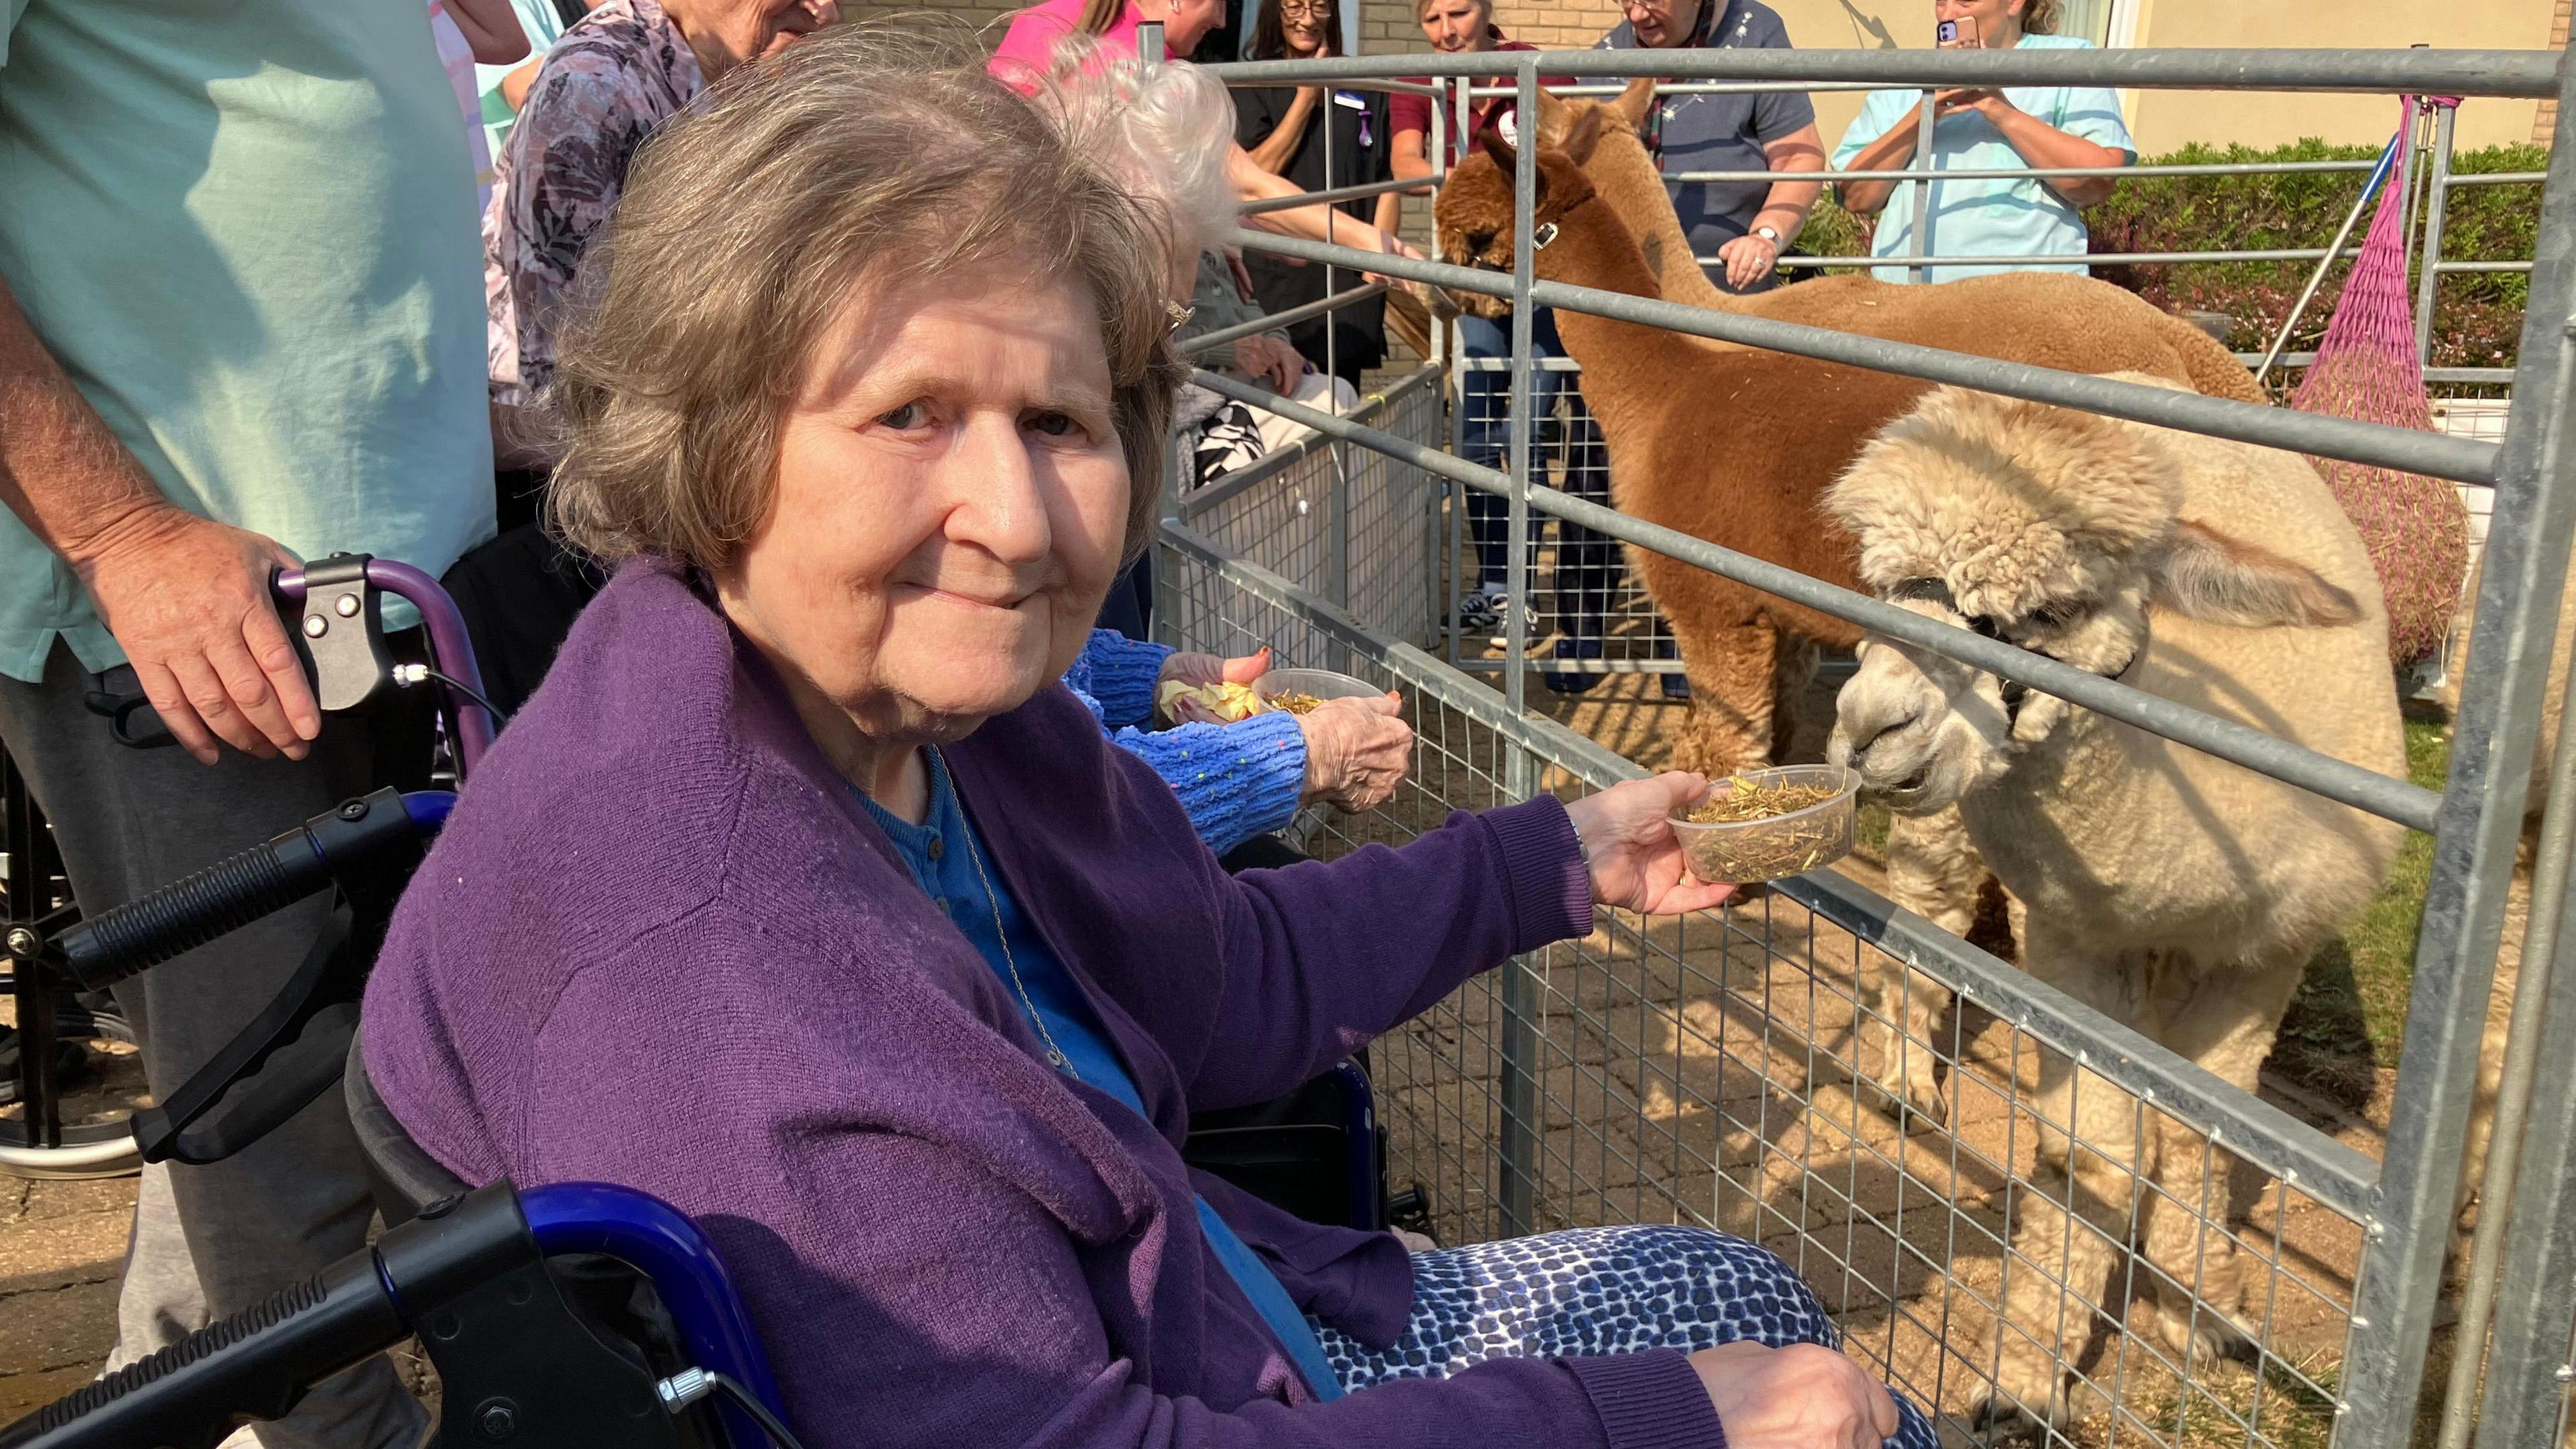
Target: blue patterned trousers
<point>1590,1291</point>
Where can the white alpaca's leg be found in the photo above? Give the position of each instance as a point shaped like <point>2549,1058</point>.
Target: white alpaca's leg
<point>1932,870</point>
<point>2225,1019</point>
<point>2073,1223</point>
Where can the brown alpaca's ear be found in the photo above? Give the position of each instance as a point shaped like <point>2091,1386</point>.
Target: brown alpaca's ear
<point>1636,103</point>
<point>2210,576</point>
<point>1584,136</point>
<point>1489,139</point>
<point>1554,118</point>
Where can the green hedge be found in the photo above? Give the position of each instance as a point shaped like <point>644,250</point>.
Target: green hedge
<point>2479,317</point>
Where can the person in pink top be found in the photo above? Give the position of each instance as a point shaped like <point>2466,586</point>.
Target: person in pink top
<point>1036,42</point>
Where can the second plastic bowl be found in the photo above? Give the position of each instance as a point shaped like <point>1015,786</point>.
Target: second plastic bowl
<point>1318,683</point>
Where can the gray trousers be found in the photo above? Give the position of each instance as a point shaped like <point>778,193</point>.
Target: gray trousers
<point>210,1241</point>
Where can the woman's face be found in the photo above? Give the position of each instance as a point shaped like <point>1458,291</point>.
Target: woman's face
<point>1456,26</point>
<point>950,505</point>
<point>1303,24</point>
<point>1996,24</point>
<point>725,33</point>
<point>1185,22</point>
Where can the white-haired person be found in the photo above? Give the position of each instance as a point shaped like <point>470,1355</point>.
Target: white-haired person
<point>1055,35</point>
<point>870,406</point>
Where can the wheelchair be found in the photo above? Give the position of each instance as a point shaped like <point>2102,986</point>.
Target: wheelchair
<point>573,1314</point>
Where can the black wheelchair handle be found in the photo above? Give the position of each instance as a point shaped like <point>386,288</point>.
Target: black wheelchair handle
<point>224,897</point>
<point>253,1365</point>
<point>258,1363</point>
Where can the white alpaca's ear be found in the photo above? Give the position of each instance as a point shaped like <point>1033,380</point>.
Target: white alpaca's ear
<point>2206,575</point>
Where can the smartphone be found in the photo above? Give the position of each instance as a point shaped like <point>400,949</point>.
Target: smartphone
<point>1955,32</point>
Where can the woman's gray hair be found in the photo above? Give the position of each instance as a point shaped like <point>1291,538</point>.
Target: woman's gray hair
<point>1161,130</point>
<point>860,154</point>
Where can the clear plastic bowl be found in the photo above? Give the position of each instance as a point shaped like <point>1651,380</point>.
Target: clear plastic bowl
<point>1746,851</point>
<point>1321,683</point>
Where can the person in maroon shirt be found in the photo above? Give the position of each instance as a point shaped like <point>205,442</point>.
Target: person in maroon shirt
<point>1582,589</point>
<point>1453,27</point>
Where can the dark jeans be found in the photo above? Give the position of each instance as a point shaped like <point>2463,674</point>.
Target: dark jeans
<point>1588,566</point>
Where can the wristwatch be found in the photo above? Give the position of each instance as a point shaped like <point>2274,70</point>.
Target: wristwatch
<point>1769,235</point>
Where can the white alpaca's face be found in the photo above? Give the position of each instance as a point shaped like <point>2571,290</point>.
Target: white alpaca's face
<point>1924,730</point>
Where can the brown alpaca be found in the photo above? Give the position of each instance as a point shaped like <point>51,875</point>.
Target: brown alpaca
<point>1734,445</point>
<point>2047,319</point>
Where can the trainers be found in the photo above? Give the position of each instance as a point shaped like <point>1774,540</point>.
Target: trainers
<point>1477,613</point>
<point>1574,683</point>
<point>1533,627</point>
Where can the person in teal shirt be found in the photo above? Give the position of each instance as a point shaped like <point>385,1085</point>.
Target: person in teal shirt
<point>1975,130</point>
<point>241,324</point>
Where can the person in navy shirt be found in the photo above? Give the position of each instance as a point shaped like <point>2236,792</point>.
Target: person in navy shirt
<point>1737,229</point>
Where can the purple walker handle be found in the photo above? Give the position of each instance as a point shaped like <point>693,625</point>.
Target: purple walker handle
<point>449,646</point>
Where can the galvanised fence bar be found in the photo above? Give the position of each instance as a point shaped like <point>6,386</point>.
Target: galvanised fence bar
<point>1699,1071</point>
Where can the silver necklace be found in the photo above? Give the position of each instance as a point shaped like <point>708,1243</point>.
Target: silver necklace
<point>1054,1054</point>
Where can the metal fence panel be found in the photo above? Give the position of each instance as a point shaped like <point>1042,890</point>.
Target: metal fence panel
<point>1648,1073</point>
<point>1699,1071</point>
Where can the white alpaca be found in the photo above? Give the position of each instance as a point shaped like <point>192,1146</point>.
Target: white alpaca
<point>2177,893</point>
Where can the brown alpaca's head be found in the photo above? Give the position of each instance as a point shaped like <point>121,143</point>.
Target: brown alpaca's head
<point>1474,218</point>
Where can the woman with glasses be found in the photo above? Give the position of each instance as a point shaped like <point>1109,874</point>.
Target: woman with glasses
<point>1318,138</point>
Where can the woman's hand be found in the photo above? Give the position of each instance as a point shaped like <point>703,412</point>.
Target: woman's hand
<point>1628,844</point>
<point>1268,361</point>
<point>1205,669</point>
<point>1748,259</point>
<point>1990,103</point>
<point>1357,751</point>
<point>1799,1397</point>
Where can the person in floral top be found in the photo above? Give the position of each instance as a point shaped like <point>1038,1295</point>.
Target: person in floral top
<point>605,86</point>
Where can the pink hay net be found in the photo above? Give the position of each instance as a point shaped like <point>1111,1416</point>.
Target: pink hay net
<point>2415,527</point>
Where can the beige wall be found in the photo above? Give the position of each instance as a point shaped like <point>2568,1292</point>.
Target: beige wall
<point>2161,120</point>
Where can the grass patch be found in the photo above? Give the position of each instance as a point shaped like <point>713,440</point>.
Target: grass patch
<point>2348,1021</point>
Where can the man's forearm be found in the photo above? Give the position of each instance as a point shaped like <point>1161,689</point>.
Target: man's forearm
<point>62,472</point>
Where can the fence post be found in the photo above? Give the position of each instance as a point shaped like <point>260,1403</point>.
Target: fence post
<point>2475,840</point>
<point>1925,119</point>
<point>1460,539</point>
<point>1435,491</point>
<point>2497,1190</point>
<point>2436,201</point>
<point>1518,1150</point>
<point>1524,256</point>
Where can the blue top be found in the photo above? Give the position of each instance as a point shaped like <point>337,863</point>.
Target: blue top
<point>248,237</point>
<point>964,887</point>
<point>1720,132</point>
<point>1236,781</point>
<point>1997,218</point>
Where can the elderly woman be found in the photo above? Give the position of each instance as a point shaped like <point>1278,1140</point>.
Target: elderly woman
<point>863,401</point>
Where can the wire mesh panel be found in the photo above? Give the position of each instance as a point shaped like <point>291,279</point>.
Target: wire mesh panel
<point>2062,1226</point>
<point>1584,606</point>
<point>1348,523</point>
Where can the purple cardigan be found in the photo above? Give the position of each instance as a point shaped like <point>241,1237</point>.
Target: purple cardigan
<point>660,944</point>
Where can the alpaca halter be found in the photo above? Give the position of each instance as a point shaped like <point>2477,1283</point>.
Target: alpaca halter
<point>2015,693</point>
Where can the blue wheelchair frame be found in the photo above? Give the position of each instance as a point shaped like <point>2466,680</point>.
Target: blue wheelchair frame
<point>468,1276</point>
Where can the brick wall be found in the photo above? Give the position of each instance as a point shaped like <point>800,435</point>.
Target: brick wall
<point>2547,121</point>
